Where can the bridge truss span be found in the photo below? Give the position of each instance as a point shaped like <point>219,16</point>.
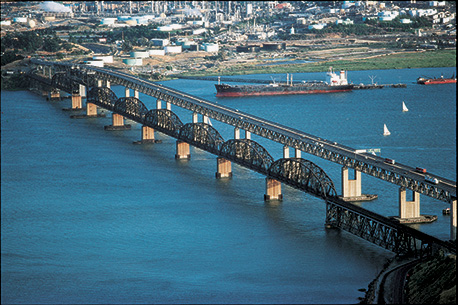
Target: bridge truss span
<point>296,172</point>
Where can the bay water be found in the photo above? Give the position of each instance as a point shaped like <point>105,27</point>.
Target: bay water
<point>88,217</point>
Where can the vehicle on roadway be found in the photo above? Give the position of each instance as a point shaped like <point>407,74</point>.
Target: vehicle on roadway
<point>431,179</point>
<point>390,161</point>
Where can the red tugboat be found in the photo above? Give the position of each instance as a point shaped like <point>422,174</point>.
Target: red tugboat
<point>334,83</point>
<point>432,81</point>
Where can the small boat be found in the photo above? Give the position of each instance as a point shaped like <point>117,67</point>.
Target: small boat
<point>429,80</point>
<point>404,107</point>
<point>386,132</point>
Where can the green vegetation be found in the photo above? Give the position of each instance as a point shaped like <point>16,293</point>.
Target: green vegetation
<point>433,282</point>
<point>15,82</point>
<point>427,59</point>
<point>29,43</point>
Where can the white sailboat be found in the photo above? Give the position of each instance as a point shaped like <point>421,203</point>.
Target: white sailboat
<point>404,107</point>
<point>386,132</point>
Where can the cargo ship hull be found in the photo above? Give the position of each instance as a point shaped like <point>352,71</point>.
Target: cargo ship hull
<point>435,81</point>
<point>224,90</point>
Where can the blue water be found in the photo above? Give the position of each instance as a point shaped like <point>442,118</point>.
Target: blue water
<point>88,217</point>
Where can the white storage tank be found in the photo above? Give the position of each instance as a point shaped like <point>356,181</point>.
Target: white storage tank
<point>198,31</point>
<point>133,61</point>
<point>104,58</point>
<point>141,20</point>
<point>156,52</point>
<point>172,49</point>
<point>96,63</point>
<point>210,47</point>
<point>139,54</point>
<point>164,28</point>
<point>107,21</point>
<point>176,26</point>
<point>20,19</point>
<point>160,42</point>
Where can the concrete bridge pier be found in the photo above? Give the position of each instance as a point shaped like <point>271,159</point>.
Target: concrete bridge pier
<point>147,136</point>
<point>453,218</point>
<point>273,190</point>
<point>195,117</point>
<point>285,152</point>
<point>54,95</point>
<point>82,90</point>
<point>159,104</point>
<point>127,92</point>
<point>182,150</point>
<point>117,123</point>
<point>223,168</point>
<point>297,153</point>
<point>408,208</point>
<point>236,133</point>
<point>351,188</point>
<point>136,94</point>
<point>77,102</point>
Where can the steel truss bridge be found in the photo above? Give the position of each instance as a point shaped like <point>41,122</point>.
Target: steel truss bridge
<point>296,172</point>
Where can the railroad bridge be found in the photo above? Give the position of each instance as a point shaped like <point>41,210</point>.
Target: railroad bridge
<point>95,84</point>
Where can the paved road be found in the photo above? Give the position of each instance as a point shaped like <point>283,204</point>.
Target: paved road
<point>392,286</point>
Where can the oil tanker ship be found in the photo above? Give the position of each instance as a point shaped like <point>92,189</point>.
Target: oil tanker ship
<point>333,83</point>
<point>433,81</point>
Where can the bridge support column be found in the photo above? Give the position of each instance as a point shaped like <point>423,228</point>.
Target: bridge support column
<point>408,209</point>
<point>91,109</point>
<point>108,84</point>
<point>136,94</point>
<point>77,103</point>
<point>195,117</point>
<point>82,90</point>
<point>147,136</point>
<point>54,95</point>
<point>285,152</point>
<point>223,168</point>
<point>117,123</point>
<point>247,134</point>
<point>453,218</point>
<point>118,120</point>
<point>158,104</point>
<point>351,187</point>
<point>273,190</point>
<point>182,150</point>
<point>236,133</point>
<point>168,105</point>
<point>127,92</point>
<point>297,153</point>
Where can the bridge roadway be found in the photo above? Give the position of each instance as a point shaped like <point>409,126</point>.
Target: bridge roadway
<point>399,174</point>
<point>361,222</point>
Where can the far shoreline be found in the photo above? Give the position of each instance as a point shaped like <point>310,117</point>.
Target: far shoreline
<point>400,60</point>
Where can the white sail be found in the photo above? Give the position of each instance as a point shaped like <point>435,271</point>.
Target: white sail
<point>404,107</point>
<point>386,132</point>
